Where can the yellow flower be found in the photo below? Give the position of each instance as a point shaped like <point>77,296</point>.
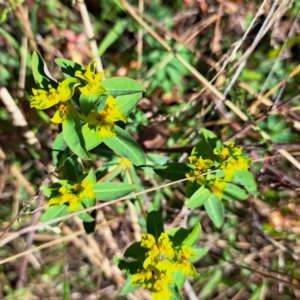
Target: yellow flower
<point>73,195</point>
<point>228,150</point>
<point>201,166</point>
<point>63,111</point>
<point>157,279</point>
<point>66,196</point>
<point>86,190</point>
<point>42,99</point>
<point>148,241</point>
<point>163,277</point>
<point>104,121</point>
<point>240,163</point>
<point>93,85</point>
<point>163,246</point>
<point>217,187</point>
<point>142,278</point>
<point>183,264</point>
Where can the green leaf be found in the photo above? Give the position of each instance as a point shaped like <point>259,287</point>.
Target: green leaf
<point>173,171</point>
<point>112,36</point>
<point>87,103</point>
<point>73,136</point>
<point>118,86</point>
<point>47,191</point>
<point>89,227</point>
<point>112,190</point>
<point>155,224</point>
<point>246,179</point>
<point>55,212</point>
<point>233,192</point>
<point>136,251</point>
<point>206,146</point>
<point>125,145</point>
<point>191,188</point>
<point>179,279</point>
<point>59,149</point>
<point>91,137</point>
<point>68,67</point>
<point>200,252</point>
<point>128,267</point>
<point>41,73</point>
<point>88,202</point>
<point>210,287</point>
<point>85,217</point>
<point>177,235</point>
<point>215,209</point>
<point>176,295</point>
<point>198,198</point>
<point>128,286</point>
<point>70,169</point>
<point>194,236</point>
<point>128,102</point>
<point>90,177</point>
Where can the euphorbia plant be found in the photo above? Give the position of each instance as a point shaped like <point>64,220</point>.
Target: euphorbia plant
<point>91,111</point>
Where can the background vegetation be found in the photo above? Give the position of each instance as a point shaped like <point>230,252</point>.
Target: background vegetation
<point>228,66</point>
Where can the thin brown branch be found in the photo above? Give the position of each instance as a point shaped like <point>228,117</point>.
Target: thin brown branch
<point>261,118</point>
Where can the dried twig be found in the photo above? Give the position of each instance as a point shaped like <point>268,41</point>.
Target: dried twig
<point>18,118</point>
<point>89,32</point>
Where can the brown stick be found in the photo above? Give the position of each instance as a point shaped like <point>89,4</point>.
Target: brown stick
<point>29,239</point>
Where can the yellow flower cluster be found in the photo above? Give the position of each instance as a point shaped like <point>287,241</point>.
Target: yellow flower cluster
<point>161,260</point>
<point>90,85</point>
<point>231,159</point>
<point>104,120</point>
<point>73,196</point>
<point>43,99</point>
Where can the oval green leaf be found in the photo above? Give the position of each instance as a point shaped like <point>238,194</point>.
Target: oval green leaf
<point>68,67</point>
<point>179,279</point>
<point>215,210</point>
<point>87,103</point>
<point>194,236</point>
<point>128,267</point>
<point>246,179</point>
<point>73,136</point>
<point>177,235</point>
<point>198,198</point>
<point>59,151</point>
<point>112,190</point>
<point>155,224</point>
<point>173,171</point>
<point>191,188</point>
<point>91,137</point>
<point>136,251</point>
<point>118,86</point>
<point>41,73</point>
<point>127,103</point>
<point>55,212</point>
<point>85,217</point>
<point>125,145</point>
<point>91,177</point>
<point>233,192</point>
